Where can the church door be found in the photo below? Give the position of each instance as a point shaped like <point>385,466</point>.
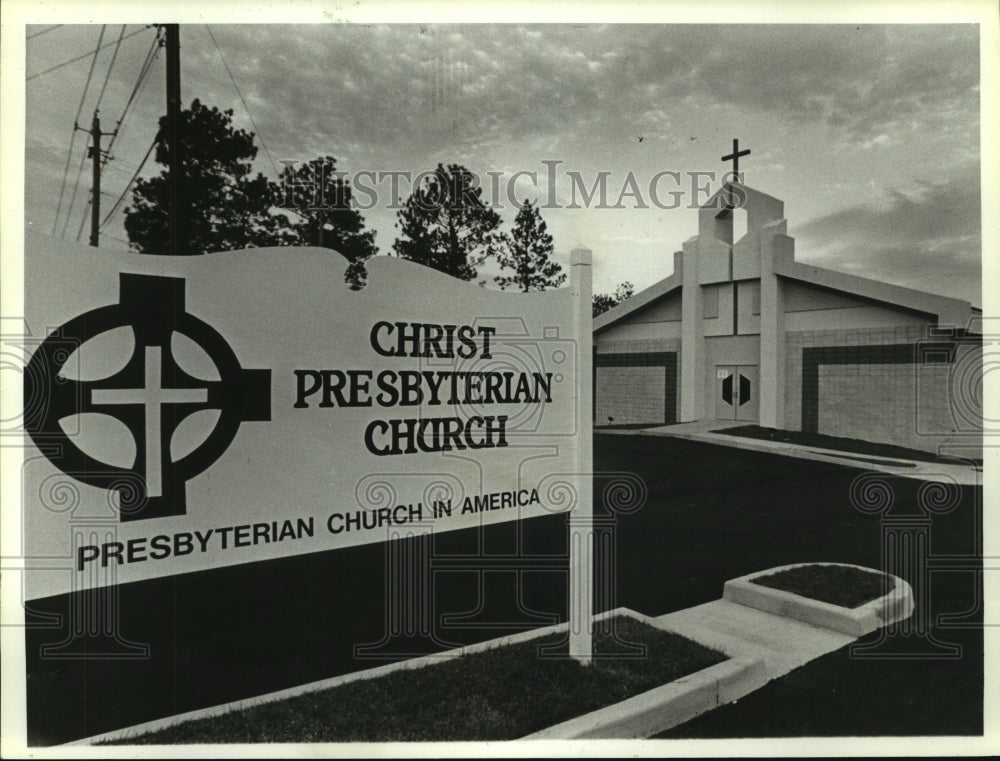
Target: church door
<point>736,392</point>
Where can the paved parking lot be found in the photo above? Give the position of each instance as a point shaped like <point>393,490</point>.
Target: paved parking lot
<point>714,513</point>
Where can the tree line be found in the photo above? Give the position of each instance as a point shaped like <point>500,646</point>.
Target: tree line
<point>444,224</point>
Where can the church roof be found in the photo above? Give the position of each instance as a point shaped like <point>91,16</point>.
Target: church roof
<point>642,299</point>
<point>766,214</point>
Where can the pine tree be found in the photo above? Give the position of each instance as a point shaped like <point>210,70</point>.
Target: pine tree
<point>321,199</point>
<point>527,254</point>
<point>602,302</point>
<point>229,209</point>
<point>445,224</point>
<point>226,208</point>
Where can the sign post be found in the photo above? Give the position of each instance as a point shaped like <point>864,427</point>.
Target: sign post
<point>581,535</point>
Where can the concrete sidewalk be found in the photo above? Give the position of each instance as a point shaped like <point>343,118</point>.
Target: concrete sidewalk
<point>782,643</point>
<point>761,646</point>
<point>705,431</point>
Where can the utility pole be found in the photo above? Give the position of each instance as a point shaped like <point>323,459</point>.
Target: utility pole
<point>97,156</point>
<point>177,214</point>
<point>95,205</point>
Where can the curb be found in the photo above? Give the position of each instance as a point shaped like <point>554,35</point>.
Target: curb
<point>857,622</point>
<point>800,451</point>
<point>663,707</point>
<point>960,474</point>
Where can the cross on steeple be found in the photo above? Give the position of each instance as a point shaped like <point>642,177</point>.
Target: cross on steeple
<point>735,156</point>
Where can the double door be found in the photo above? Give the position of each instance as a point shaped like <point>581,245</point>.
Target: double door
<point>736,396</point>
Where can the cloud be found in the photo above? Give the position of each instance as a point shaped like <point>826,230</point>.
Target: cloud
<point>505,97</point>
<point>478,92</point>
<point>864,80</point>
<point>316,88</point>
<point>928,239</point>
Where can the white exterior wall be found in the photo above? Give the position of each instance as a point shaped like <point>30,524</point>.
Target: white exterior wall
<point>796,306</point>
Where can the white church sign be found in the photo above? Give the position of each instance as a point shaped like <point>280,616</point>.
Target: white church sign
<point>187,413</point>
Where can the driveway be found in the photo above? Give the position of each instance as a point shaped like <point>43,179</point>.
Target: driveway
<point>716,512</point>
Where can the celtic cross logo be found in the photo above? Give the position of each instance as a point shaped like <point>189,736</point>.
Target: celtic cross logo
<point>151,395</point>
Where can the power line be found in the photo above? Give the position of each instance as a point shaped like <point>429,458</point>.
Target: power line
<point>83,219</point>
<point>117,239</point>
<point>147,64</point>
<point>72,198</point>
<point>121,198</point>
<point>76,119</point>
<point>140,82</point>
<point>121,165</point>
<point>97,106</point>
<point>81,57</point>
<point>62,187</point>
<point>39,34</point>
<point>242,100</point>
<point>111,66</point>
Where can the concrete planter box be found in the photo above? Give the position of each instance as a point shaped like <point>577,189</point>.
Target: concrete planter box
<point>894,606</point>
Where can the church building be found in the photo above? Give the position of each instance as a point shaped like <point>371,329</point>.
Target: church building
<point>741,331</point>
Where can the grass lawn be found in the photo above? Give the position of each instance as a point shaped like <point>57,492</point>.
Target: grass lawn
<point>841,585</point>
<point>499,694</point>
<point>855,446</point>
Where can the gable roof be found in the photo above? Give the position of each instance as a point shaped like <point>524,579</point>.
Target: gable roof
<point>641,299</point>
<point>943,309</point>
<point>946,311</point>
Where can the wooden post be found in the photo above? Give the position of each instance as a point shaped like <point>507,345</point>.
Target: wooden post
<point>95,192</point>
<point>581,535</point>
<point>176,215</point>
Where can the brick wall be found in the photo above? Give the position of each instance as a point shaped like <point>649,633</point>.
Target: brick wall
<point>868,384</point>
<point>627,395</point>
<point>636,382</point>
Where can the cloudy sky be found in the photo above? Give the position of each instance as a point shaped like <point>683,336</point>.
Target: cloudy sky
<point>870,134</point>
